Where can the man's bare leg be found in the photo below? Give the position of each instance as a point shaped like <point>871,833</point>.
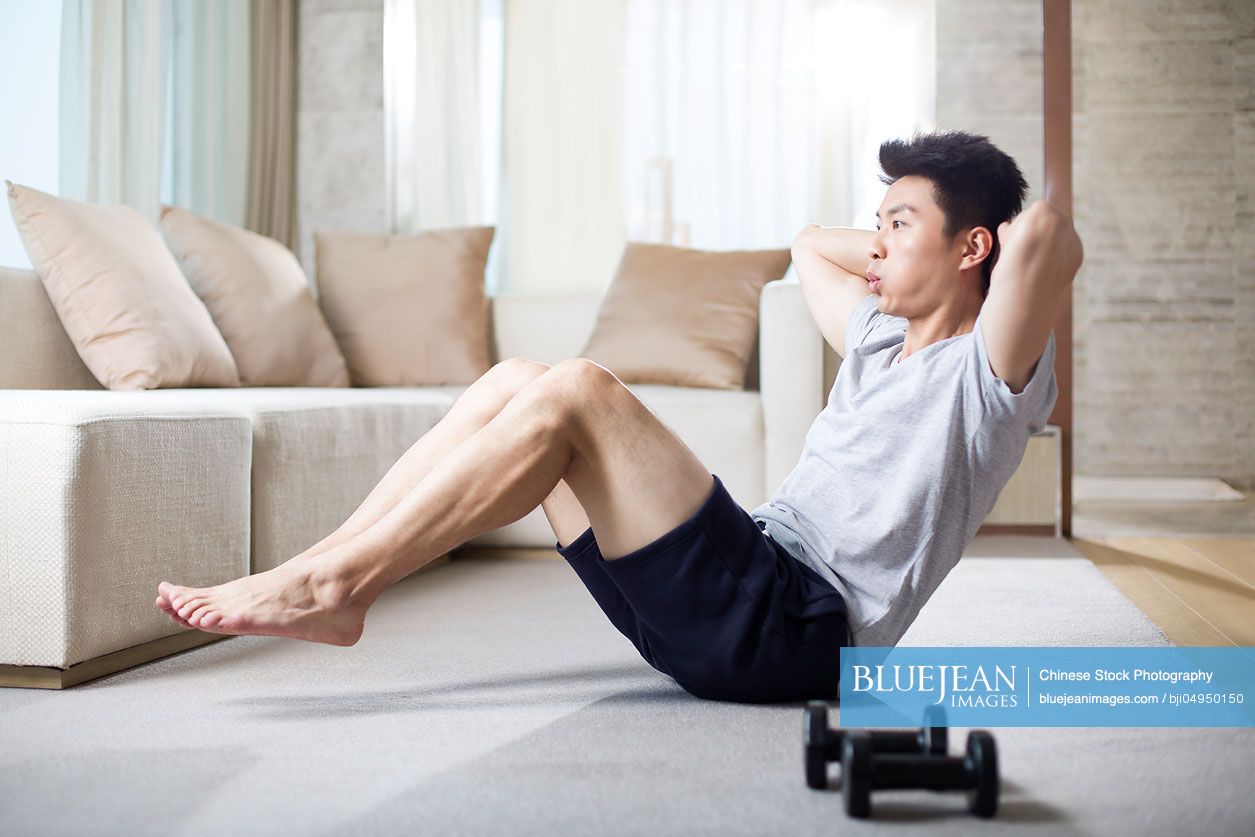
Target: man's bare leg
<point>577,423</point>
<point>474,408</point>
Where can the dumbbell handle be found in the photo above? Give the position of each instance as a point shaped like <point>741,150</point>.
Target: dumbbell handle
<point>896,771</point>
<point>905,742</point>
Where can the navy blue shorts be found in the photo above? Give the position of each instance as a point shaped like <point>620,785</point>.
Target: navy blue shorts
<point>721,608</point>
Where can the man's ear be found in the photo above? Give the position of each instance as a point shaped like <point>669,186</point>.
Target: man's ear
<point>978,245</point>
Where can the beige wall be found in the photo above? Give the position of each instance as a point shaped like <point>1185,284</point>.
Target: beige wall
<point>1164,167</point>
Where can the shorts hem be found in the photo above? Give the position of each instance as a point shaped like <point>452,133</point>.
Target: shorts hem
<point>578,546</point>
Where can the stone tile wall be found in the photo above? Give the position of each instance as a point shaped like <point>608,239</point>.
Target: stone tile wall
<point>1164,168</point>
<point>341,182</point>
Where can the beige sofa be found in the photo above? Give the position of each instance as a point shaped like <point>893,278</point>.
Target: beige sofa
<point>103,494</point>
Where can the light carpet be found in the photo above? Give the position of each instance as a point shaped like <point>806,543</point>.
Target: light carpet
<point>493,697</point>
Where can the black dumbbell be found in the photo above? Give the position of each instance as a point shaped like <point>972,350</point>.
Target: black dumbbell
<point>863,770</point>
<point>824,744</point>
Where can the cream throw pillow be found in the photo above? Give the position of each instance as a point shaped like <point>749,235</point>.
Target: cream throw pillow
<point>683,317</point>
<point>407,310</point>
<point>260,300</point>
<point>133,318</point>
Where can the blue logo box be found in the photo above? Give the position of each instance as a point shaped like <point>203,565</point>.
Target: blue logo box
<point>1049,687</point>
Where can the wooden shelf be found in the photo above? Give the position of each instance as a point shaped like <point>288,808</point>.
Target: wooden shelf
<point>1032,500</point>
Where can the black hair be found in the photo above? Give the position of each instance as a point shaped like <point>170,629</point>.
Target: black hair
<point>975,183</point>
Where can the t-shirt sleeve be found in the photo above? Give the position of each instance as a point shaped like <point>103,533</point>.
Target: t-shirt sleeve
<point>865,318</point>
<point>1032,405</point>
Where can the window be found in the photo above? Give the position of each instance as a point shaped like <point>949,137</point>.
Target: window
<point>30,50</point>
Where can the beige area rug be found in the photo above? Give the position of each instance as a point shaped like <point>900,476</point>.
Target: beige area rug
<point>493,697</point>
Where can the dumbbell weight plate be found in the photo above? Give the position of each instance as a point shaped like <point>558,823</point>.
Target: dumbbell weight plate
<point>856,773</point>
<point>815,741</point>
<point>936,740</point>
<point>982,758</point>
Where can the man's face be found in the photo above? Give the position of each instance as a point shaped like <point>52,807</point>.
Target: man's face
<point>918,268</point>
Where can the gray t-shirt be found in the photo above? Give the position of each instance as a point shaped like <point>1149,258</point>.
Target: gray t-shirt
<point>902,466</point>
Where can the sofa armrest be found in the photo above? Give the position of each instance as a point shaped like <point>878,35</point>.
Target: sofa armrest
<point>791,376</point>
<point>103,495</point>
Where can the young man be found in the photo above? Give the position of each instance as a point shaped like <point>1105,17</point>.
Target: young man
<point>896,473</point>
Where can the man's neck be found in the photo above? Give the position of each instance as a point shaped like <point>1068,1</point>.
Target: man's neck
<point>937,326</point>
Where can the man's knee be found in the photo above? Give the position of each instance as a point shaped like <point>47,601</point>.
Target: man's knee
<point>570,393</point>
<point>581,376</point>
<point>510,376</point>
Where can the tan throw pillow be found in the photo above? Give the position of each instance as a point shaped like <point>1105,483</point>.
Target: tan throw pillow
<point>407,310</point>
<point>260,300</point>
<point>683,317</point>
<point>133,318</point>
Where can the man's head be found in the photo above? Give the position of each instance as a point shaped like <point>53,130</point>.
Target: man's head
<point>959,187</point>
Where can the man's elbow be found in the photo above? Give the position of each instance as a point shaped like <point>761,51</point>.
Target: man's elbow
<point>1052,225</point>
<point>1045,211</point>
<point>803,238</point>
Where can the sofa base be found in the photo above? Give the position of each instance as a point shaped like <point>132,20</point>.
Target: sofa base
<point>50,677</point>
<point>47,677</point>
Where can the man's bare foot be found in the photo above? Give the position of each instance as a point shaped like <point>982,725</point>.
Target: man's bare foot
<point>289,601</point>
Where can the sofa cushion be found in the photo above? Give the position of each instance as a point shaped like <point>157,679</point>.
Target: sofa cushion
<point>317,453</point>
<point>407,310</point>
<point>260,300</point>
<point>105,494</point>
<point>683,317</point>
<point>120,295</point>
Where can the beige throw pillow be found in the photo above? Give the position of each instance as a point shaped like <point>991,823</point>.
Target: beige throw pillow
<point>683,317</point>
<point>407,310</point>
<point>260,300</point>
<point>133,318</point>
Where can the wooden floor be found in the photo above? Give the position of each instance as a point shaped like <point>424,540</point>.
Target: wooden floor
<point>1189,566</point>
<point>1198,590</point>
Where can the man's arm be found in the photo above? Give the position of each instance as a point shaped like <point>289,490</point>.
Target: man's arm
<point>831,264</point>
<point>1040,255</point>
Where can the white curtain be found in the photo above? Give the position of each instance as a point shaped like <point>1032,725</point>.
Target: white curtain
<point>748,119</point>
<point>207,132</point>
<point>718,93</point>
<point>717,124</point>
<point>875,73</point>
<point>562,222</point>
<point>433,92</point>
<point>114,60</point>
<point>154,104</point>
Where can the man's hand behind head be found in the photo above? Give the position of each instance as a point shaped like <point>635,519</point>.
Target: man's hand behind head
<point>1043,228</point>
